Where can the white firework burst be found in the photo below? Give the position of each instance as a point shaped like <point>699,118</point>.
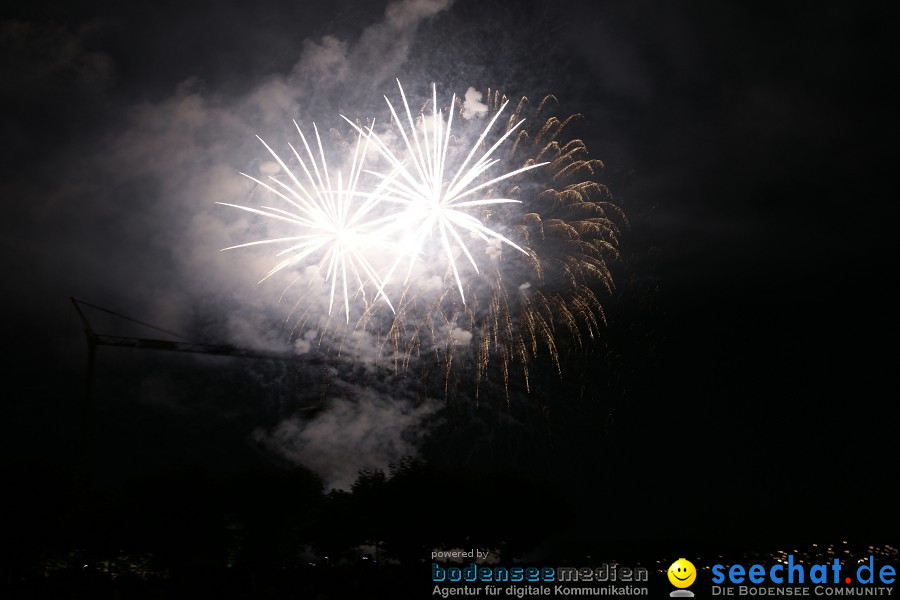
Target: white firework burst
<point>437,199</point>
<point>336,223</point>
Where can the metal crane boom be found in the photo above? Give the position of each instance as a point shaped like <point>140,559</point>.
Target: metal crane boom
<point>95,340</point>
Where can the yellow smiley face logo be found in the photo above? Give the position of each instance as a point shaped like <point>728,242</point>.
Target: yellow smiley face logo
<point>682,573</point>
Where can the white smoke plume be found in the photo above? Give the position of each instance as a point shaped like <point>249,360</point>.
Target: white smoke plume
<point>360,429</point>
<point>154,178</point>
<point>473,107</point>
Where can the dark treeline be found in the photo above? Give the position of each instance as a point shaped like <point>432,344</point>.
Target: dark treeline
<point>249,531</point>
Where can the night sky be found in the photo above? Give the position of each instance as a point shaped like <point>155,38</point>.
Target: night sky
<point>744,381</point>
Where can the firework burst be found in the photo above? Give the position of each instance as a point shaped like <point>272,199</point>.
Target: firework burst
<point>335,222</point>
<point>437,199</point>
<point>427,199</point>
<point>543,298</point>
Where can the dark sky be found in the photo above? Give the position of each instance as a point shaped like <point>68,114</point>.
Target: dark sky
<point>752,332</point>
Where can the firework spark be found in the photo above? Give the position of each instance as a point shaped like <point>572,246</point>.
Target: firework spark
<point>436,204</point>
<point>336,222</point>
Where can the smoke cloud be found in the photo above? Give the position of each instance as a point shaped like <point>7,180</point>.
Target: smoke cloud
<point>359,429</point>
<point>473,106</point>
<point>123,210</point>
